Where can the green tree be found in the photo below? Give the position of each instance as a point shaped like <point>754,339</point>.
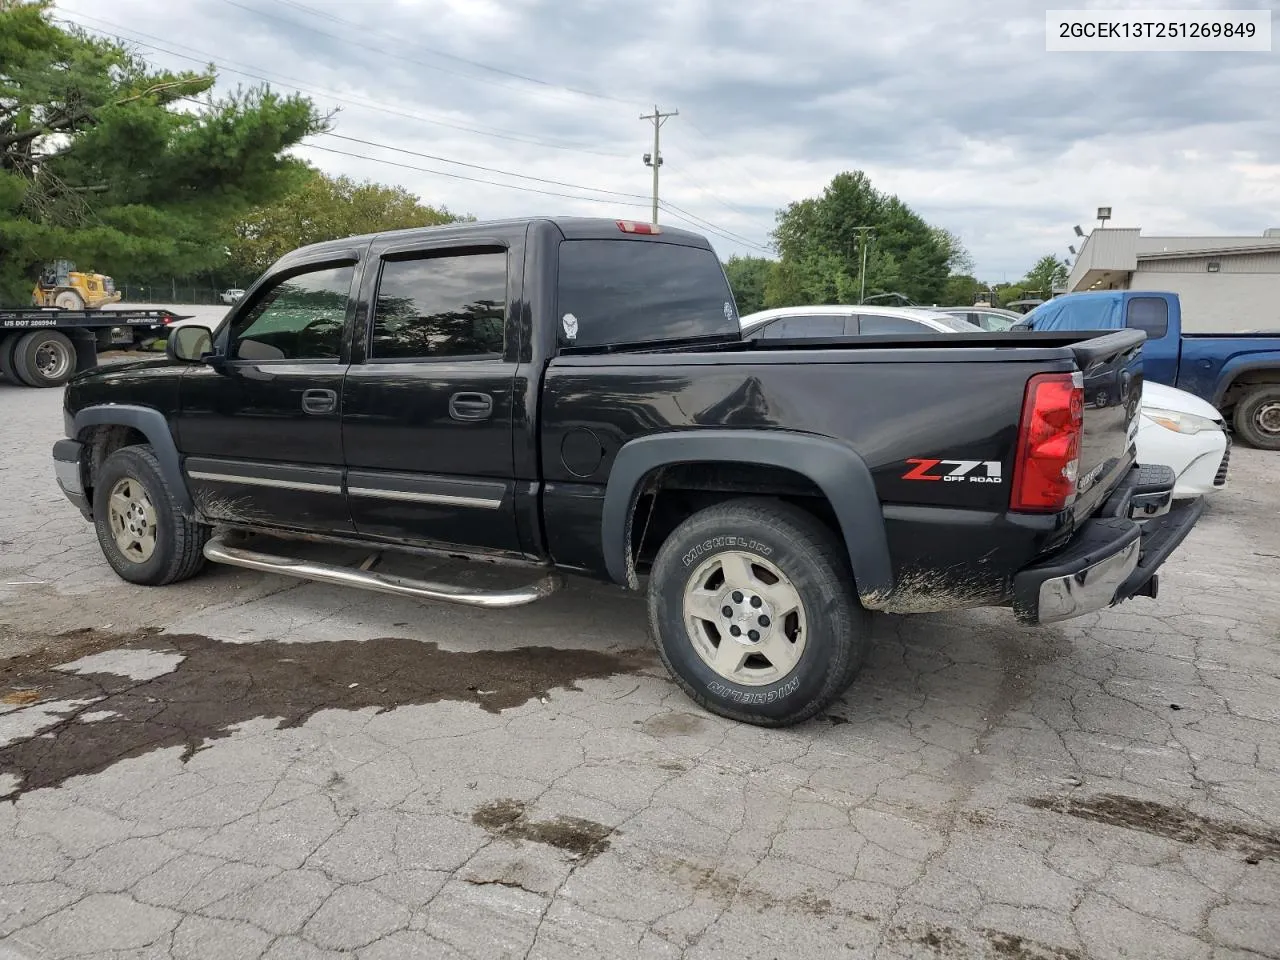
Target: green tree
<point>959,260</point>
<point>748,277</point>
<point>820,237</point>
<point>1048,272</point>
<point>123,168</point>
<point>960,290</point>
<point>324,208</point>
<point>1007,293</point>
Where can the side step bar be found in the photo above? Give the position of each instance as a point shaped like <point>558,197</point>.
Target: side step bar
<point>219,552</point>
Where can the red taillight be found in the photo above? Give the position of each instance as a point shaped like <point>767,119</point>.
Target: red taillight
<point>1048,458</point>
<point>632,226</point>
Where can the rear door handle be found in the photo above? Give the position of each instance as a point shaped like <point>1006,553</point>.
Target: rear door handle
<point>319,401</point>
<point>470,406</point>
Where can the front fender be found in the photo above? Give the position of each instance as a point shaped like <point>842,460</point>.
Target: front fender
<point>836,469</point>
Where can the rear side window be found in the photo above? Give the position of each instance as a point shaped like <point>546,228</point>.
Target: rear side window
<point>1150,314</point>
<point>872,324</point>
<point>628,291</point>
<point>441,306</point>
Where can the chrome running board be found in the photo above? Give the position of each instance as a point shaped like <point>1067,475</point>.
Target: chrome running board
<point>219,552</point>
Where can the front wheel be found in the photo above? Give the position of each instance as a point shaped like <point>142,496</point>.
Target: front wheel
<point>752,607</point>
<point>142,532</point>
<point>1257,417</point>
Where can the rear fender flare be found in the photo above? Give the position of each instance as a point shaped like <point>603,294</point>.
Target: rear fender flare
<point>1233,371</point>
<point>836,469</point>
<point>151,423</point>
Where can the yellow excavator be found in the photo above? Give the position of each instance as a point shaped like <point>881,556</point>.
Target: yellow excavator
<point>61,285</point>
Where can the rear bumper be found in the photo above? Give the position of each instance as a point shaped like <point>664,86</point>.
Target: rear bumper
<point>66,467</point>
<point>1110,559</point>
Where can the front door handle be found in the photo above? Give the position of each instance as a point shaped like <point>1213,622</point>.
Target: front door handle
<point>470,406</point>
<point>319,401</point>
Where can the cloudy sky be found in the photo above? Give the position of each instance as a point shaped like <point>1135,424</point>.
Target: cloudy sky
<point>955,107</point>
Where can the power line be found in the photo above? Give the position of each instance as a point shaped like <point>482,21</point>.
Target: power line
<point>265,76</point>
<point>716,231</point>
<point>452,56</point>
<point>460,176</point>
<point>380,51</point>
<point>477,166</point>
<point>710,225</point>
<point>727,204</point>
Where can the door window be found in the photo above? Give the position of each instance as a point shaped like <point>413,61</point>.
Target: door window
<point>300,318</point>
<point>453,305</point>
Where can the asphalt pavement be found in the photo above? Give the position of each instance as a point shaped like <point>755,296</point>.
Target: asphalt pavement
<point>250,766</point>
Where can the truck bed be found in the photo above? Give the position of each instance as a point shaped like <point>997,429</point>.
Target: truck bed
<point>895,400</point>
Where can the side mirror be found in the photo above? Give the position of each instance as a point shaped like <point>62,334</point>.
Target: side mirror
<point>189,344</point>
<point>1021,326</point>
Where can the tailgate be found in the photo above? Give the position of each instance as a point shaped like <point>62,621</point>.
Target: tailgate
<point>1112,368</point>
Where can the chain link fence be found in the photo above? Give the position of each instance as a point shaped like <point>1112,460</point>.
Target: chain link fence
<point>171,292</point>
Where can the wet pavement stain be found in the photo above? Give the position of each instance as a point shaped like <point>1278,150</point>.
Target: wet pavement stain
<point>217,686</point>
<point>980,942</point>
<point>727,888</point>
<point>584,839</point>
<point>673,725</point>
<point>1162,820</point>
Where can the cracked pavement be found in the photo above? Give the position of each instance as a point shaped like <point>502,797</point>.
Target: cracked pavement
<point>249,766</point>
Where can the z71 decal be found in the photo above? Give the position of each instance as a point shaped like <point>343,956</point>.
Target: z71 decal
<point>953,470</point>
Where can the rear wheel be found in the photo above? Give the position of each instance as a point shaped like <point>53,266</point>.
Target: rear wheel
<point>44,358</point>
<point>1257,417</point>
<point>142,532</point>
<point>752,607</point>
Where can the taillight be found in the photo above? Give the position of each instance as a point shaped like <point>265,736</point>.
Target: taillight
<point>1048,457</point>
<point>632,226</point>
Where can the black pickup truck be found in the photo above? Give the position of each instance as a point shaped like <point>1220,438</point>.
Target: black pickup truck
<point>573,395</point>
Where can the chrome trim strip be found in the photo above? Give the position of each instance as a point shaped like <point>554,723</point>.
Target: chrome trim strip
<point>450,499</point>
<point>264,482</point>
<point>219,552</point>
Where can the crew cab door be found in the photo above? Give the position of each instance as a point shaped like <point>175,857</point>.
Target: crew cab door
<point>260,427</point>
<point>427,409</point>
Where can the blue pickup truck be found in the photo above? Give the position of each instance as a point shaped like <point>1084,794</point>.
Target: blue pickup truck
<point>1238,373</point>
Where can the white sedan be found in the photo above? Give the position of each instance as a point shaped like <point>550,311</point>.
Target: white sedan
<point>1178,429</point>
<point>1184,432</point>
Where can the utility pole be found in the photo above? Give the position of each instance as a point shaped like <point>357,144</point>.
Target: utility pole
<point>655,159</point>
<point>862,277</point>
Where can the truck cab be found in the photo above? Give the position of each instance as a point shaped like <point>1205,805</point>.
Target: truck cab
<point>1238,373</point>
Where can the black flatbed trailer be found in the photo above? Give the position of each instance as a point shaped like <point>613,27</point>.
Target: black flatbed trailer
<point>46,346</point>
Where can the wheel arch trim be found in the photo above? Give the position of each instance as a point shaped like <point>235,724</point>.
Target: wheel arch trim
<point>835,468</point>
<point>151,423</point>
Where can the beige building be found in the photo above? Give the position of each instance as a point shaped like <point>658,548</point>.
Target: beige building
<point>1225,284</point>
